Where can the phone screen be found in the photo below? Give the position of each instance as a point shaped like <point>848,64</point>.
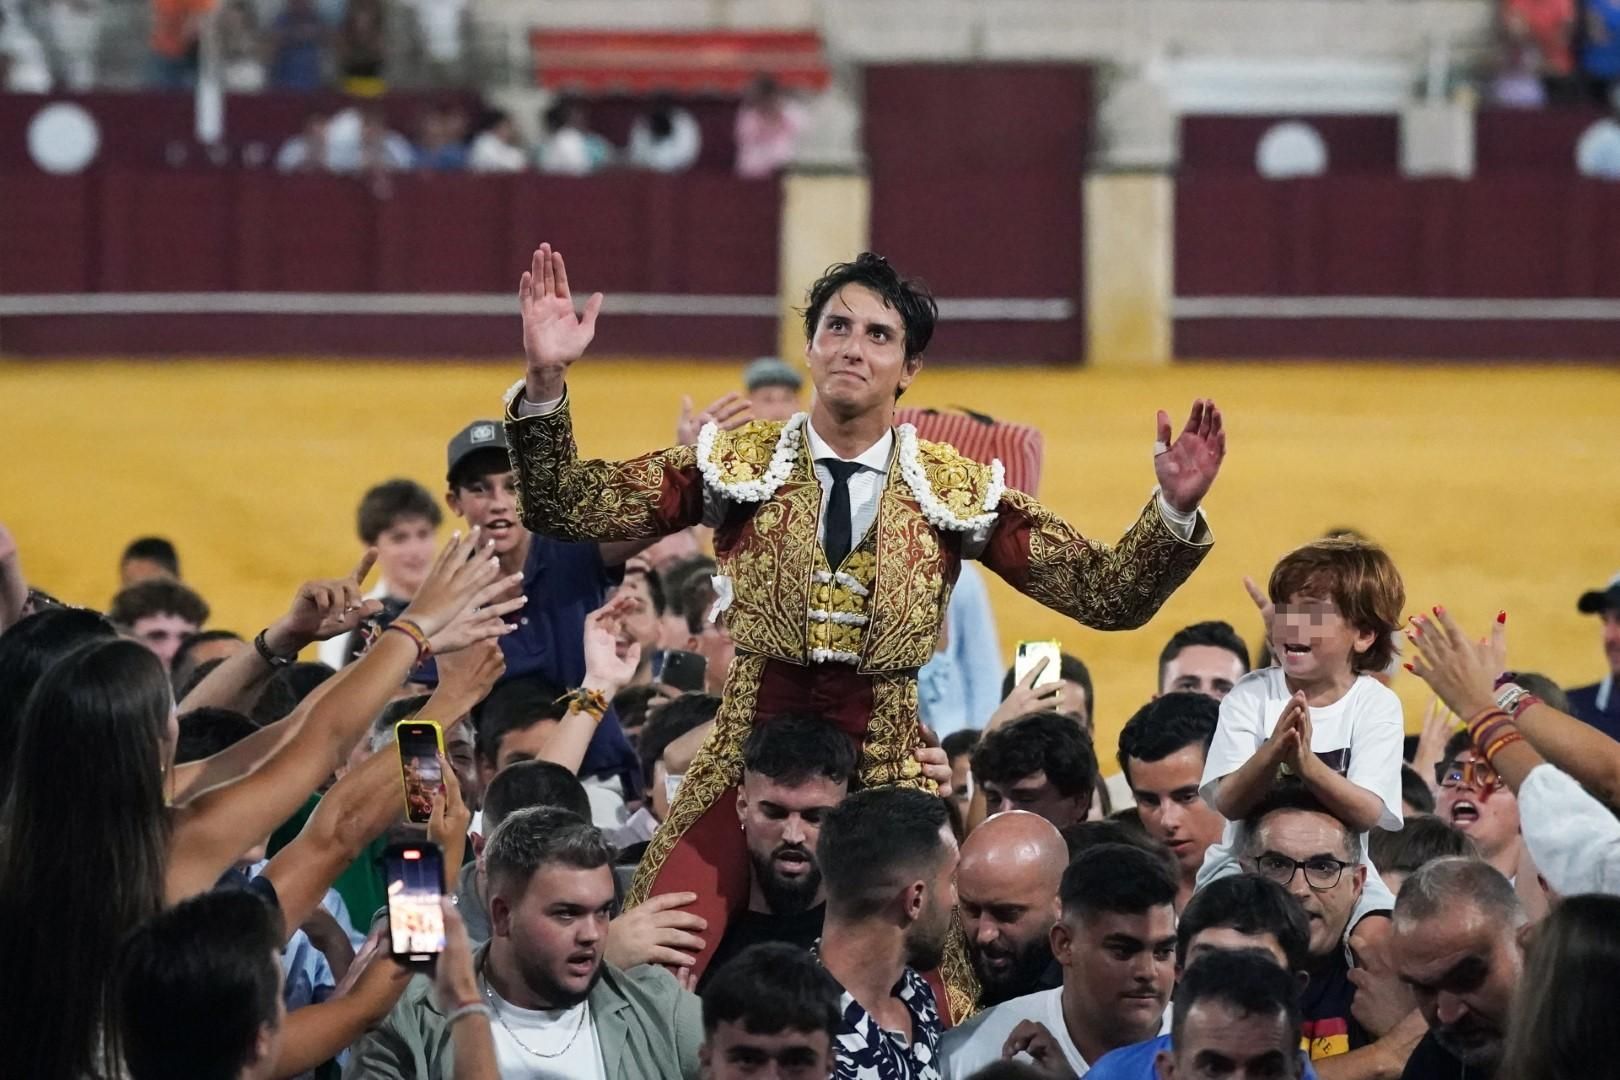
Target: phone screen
<point>419,742</point>
<point>415,878</point>
<point>683,670</point>
<point>1031,653</point>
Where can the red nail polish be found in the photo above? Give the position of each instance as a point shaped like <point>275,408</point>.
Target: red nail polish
<point>1409,667</point>
<point>1501,616</point>
<point>1438,609</point>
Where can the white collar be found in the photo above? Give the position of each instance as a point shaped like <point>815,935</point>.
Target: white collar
<point>874,457</point>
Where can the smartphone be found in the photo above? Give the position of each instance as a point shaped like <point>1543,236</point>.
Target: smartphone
<point>1031,653</point>
<point>685,671</point>
<point>420,744</point>
<point>414,874</point>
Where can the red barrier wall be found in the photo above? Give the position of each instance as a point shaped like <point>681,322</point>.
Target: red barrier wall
<point>1355,143</point>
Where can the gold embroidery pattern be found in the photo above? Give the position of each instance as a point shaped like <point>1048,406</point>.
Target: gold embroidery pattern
<point>770,562</point>
<point>910,591</point>
<point>745,454</point>
<point>892,736</point>
<point>961,983</point>
<point>960,483</point>
<point>563,497</point>
<point>1108,588</point>
<point>715,769</point>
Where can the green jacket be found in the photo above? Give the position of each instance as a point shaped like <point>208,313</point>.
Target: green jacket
<point>647,1026</point>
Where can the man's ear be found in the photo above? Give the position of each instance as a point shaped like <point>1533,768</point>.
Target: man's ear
<point>1062,941</point>
<point>908,373</point>
<point>500,916</point>
<point>1164,1065</point>
<point>264,1042</point>
<point>1360,877</point>
<point>915,899</point>
<point>453,500</point>
<point>478,843</point>
<point>742,805</point>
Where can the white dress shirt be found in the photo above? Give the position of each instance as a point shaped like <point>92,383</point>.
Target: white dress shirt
<point>865,484</point>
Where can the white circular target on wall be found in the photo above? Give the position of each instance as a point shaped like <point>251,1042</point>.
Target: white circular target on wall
<point>1289,149</point>
<point>63,138</point>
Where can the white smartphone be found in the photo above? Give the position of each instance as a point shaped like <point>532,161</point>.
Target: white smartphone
<point>1031,653</point>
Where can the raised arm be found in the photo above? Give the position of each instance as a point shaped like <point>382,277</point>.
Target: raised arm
<point>560,495</point>
<point>606,673</point>
<point>1118,587</point>
<point>211,830</point>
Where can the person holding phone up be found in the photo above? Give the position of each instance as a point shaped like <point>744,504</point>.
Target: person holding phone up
<point>839,537</point>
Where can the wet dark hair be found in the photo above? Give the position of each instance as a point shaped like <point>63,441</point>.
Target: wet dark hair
<point>1214,633</point>
<point>909,297</point>
<point>525,784</point>
<point>874,839</point>
<point>771,988</point>
<point>1120,879</point>
<point>27,651</point>
<point>514,705</point>
<point>1168,724</point>
<point>796,747</point>
<point>1249,904</point>
<point>1245,980</point>
<point>1046,742</point>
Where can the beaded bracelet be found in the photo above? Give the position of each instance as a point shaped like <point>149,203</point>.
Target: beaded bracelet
<point>472,1008</point>
<point>592,702</point>
<point>414,632</point>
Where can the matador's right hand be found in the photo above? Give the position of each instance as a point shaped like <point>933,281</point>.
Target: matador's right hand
<point>553,335</point>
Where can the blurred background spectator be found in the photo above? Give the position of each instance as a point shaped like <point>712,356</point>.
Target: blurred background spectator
<point>361,47</point>
<point>665,138</point>
<point>497,146</point>
<point>769,125</point>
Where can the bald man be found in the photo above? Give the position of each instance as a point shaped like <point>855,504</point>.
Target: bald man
<point>1007,888</point>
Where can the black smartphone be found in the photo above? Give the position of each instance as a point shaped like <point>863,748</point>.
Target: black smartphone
<point>414,875</point>
<point>420,742</point>
<point>685,671</point>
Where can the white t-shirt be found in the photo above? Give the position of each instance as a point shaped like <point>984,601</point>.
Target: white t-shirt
<point>1361,736</point>
<point>969,1047</point>
<point>520,1032</point>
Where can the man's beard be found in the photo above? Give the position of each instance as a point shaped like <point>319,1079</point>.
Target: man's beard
<point>786,896</point>
<point>1466,1044</point>
<point>1018,979</point>
<point>925,946</point>
<point>547,989</point>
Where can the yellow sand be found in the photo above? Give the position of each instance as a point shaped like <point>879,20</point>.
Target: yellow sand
<point>1494,487</point>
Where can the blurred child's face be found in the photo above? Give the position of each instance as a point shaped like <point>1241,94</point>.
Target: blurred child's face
<point>1314,641</point>
<point>405,552</point>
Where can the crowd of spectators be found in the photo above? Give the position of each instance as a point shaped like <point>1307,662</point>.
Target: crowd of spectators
<point>191,822</point>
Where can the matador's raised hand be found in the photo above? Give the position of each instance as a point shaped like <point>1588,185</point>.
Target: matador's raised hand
<point>1186,468</point>
<point>553,335</point>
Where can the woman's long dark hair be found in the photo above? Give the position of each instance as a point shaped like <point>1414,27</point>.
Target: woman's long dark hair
<point>83,845</point>
<point>27,651</point>
<point>1563,1017</point>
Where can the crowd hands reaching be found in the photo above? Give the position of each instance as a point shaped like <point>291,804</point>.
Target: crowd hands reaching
<point>195,824</point>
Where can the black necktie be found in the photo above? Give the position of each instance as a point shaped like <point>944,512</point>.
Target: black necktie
<point>838,524</point>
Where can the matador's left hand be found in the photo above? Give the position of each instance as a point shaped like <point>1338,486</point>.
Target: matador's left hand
<point>1186,468</point>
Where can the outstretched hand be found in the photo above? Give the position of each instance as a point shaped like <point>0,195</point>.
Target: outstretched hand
<point>727,413</point>
<point>553,335</point>
<point>324,609</point>
<point>1461,671</point>
<point>1187,467</point>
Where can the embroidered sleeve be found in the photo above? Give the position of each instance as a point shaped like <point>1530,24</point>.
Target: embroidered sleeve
<point>1107,588</point>
<point>562,496</point>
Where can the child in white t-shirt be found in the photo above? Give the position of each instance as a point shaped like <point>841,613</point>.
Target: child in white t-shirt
<point>1318,718</point>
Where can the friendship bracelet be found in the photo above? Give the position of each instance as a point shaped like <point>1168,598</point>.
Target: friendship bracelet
<point>1501,744</point>
<point>1481,718</point>
<point>1487,733</point>
<point>472,1008</point>
<point>592,702</point>
<point>414,632</point>
<point>1525,703</point>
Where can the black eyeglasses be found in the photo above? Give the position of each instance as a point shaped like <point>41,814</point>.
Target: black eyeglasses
<point>1321,873</point>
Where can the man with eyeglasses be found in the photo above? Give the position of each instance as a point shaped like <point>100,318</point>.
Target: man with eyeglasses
<point>1474,799</point>
<point>1294,841</point>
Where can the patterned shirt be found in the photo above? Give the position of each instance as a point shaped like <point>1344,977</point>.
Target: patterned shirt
<point>867,1052</point>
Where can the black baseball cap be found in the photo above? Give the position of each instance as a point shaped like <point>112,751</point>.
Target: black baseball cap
<point>1605,599</point>
<point>476,437</point>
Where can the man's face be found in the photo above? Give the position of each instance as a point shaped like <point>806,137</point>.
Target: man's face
<point>1075,702</point>
<point>925,938</point>
<point>1171,809</point>
<point>136,570</point>
<point>405,553</point>
<point>858,354</point>
<point>1228,939</point>
<point>458,747</point>
<point>1317,839</point>
<point>1611,638</point>
<point>163,633</point>
<point>774,402</point>
<point>1118,969</point>
<point>556,928</point>
<point>962,781</point>
<point>1218,1042</point>
<point>640,622</point>
<point>1462,966</point>
<point>1483,807</point>
<point>1202,669</point>
<point>1008,920</point>
<point>1038,795</point>
<point>735,1053</point>
<point>781,825</point>
<point>522,744</point>
<point>489,501</point>
<point>1313,640</point>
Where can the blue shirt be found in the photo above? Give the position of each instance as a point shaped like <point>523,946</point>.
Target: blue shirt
<point>1135,1062</point>
<point>961,686</point>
